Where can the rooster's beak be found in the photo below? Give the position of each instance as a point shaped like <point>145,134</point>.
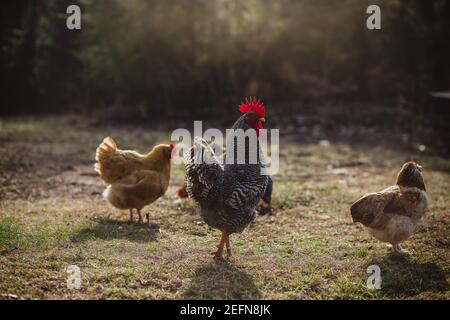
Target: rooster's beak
<point>262,119</point>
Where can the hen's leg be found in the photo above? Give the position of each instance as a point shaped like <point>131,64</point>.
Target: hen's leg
<point>218,254</point>
<point>147,215</point>
<point>131,214</point>
<point>397,249</point>
<point>140,216</point>
<point>228,244</point>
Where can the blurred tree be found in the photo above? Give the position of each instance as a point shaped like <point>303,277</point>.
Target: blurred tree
<point>182,58</point>
<point>18,44</point>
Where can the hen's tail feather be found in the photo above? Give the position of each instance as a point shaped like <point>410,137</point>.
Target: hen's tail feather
<point>360,213</point>
<point>355,212</point>
<point>107,147</point>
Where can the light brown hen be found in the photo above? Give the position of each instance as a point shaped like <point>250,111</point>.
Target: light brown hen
<point>133,180</point>
<point>391,215</point>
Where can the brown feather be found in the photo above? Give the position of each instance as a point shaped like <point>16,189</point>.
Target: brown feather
<point>391,214</point>
<point>411,176</point>
<point>135,179</point>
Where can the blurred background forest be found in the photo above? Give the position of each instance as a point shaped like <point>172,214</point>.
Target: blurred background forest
<point>136,60</point>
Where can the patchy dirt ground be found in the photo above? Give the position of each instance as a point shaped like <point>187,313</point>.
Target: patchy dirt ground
<point>52,215</point>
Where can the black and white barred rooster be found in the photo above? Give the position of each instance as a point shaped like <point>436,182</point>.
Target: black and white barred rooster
<point>227,193</point>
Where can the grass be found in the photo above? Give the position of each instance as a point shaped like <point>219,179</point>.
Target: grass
<point>52,216</point>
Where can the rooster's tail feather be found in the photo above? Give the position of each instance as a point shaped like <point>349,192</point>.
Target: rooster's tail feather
<point>203,171</point>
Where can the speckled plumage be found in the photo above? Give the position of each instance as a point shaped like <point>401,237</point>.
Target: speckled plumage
<point>391,215</point>
<point>227,194</point>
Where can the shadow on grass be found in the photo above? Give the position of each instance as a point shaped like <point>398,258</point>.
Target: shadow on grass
<point>221,280</point>
<point>402,277</point>
<point>262,211</point>
<point>109,229</point>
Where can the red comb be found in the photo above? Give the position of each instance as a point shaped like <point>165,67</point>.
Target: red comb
<point>252,104</point>
<point>172,146</point>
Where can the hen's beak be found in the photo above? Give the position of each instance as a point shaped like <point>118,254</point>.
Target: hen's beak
<point>262,119</point>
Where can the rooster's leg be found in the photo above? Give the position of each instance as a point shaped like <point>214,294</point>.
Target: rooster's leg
<point>140,216</point>
<point>228,245</point>
<point>147,215</point>
<point>218,254</point>
<point>131,214</point>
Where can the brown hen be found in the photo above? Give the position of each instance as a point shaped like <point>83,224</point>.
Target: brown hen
<point>391,215</point>
<point>134,180</point>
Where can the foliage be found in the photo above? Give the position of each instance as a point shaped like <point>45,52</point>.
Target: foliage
<point>174,58</point>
